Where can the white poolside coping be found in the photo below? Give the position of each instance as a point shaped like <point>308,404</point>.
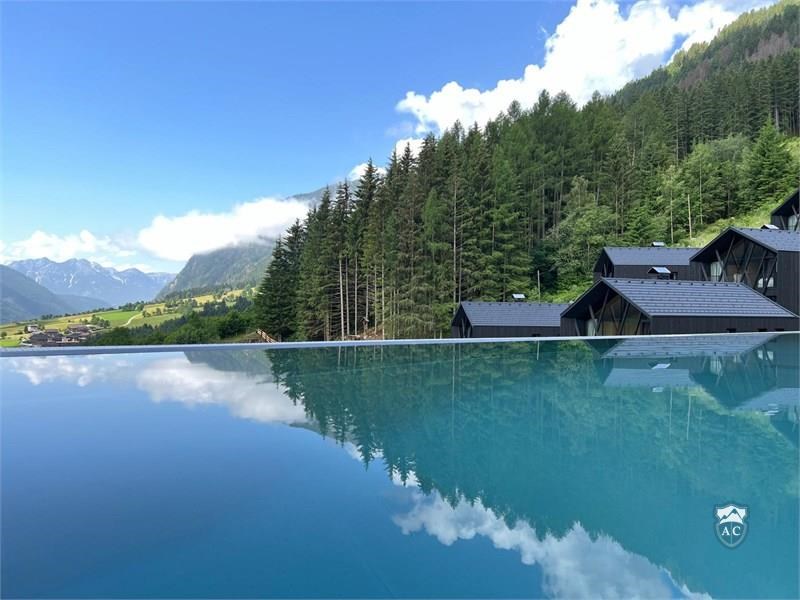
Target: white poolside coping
<point>85,350</point>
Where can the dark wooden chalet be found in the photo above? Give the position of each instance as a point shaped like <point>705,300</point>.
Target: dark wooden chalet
<point>787,215</point>
<point>507,319</point>
<point>637,262</point>
<point>615,306</point>
<point>767,260</point>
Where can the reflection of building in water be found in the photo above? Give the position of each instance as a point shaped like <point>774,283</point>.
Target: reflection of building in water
<point>756,373</point>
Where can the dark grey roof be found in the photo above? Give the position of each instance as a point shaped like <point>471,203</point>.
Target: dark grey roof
<point>658,297</point>
<point>649,378</point>
<point>523,314</point>
<point>649,256</point>
<point>778,240</point>
<point>792,202</point>
<point>773,400</point>
<point>690,345</point>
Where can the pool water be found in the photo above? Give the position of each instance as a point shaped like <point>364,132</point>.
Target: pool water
<point>551,469</point>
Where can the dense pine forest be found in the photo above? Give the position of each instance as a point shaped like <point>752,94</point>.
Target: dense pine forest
<point>524,203</point>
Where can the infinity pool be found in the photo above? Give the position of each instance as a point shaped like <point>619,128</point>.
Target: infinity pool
<point>552,469</point>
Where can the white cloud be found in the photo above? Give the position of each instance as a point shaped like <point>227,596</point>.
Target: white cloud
<point>573,566</point>
<point>595,48</point>
<point>414,143</point>
<point>178,238</point>
<point>358,171</point>
<point>60,248</point>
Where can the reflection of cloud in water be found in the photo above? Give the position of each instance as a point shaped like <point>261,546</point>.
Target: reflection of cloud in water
<point>247,396</point>
<point>81,372</point>
<point>573,566</point>
<point>173,379</point>
<point>353,451</point>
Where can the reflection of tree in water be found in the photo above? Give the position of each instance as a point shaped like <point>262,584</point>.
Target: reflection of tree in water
<point>532,431</point>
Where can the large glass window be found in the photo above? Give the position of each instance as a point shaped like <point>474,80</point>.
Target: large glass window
<point>745,262</point>
<point>617,317</point>
<point>716,270</point>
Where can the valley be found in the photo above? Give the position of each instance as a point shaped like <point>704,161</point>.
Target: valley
<point>145,313</point>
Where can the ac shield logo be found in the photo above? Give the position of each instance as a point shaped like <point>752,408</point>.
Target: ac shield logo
<point>731,524</point>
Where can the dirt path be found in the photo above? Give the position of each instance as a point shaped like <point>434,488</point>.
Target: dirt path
<point>136,316</point>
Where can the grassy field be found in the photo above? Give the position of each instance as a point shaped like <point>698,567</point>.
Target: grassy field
<point>14,332</point>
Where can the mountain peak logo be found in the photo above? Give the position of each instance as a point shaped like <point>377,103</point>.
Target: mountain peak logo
<point>731,525</point>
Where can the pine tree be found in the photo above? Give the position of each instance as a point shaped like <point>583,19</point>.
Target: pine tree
<point>770,169</point>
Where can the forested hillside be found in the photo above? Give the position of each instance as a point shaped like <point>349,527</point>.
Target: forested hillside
<point>525,203</point>
<point>226,268</point>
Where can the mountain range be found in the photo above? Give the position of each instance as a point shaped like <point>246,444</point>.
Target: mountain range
<point>21,298</point>
<point>81,278</point>
<point>78,285</point>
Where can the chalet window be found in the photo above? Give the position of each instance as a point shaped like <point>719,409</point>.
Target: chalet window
<point>591,327</point>
<point>792,222</point>
<point>716,270</point>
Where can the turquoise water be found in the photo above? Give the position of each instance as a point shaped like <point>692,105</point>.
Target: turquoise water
<point>553,469</point>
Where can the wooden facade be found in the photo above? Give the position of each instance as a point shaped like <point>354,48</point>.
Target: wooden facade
<point>787,215</point>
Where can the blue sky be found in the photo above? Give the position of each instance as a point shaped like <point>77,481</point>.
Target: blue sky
<point>139,133</point>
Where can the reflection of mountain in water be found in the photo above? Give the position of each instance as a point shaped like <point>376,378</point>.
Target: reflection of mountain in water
<point>531,432</point>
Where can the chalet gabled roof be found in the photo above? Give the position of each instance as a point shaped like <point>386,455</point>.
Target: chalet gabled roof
<point>664,297</point>
<point>777,240</point>
<point>668,377</point>
<point>648,256</point>
<point>789,206</point>
<point>522,314</point>
<point>773,399</point>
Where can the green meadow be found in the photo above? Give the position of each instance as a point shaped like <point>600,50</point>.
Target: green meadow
<point>12,333</point>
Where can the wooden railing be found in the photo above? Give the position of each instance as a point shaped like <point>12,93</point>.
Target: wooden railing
<point>265,337</point>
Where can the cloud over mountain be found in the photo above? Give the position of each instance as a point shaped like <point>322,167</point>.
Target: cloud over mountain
<point>178,238</point>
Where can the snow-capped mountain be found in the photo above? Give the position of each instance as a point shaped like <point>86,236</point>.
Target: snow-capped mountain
<point>81,277</point>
